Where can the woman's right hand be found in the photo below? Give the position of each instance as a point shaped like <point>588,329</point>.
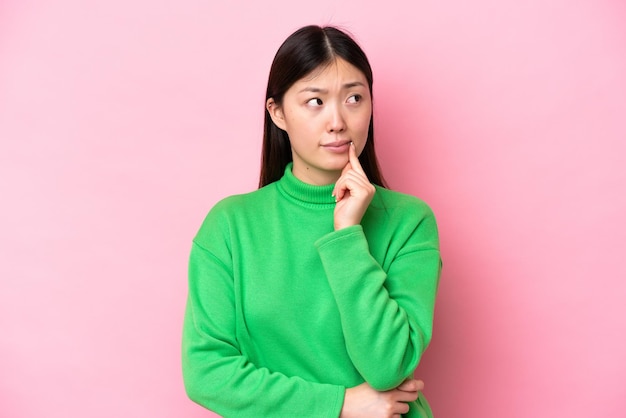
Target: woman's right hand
<point>363,401</point>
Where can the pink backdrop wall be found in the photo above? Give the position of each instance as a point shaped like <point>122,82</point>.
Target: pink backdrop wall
<point>123,122</point>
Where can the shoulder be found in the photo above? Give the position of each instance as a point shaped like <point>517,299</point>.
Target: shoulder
<point>228,210</point>
<point>404,218</point>
<point>234,204</point>
<point>400,204</point>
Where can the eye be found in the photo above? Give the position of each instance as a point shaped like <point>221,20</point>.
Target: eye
<point>355,98</point>
<point>315,102</point>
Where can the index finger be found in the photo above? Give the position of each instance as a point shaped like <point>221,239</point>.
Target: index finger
<point>411,385</point>
<point>354,160</point>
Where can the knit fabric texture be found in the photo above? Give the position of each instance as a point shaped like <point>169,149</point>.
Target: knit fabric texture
<point>284,313</point>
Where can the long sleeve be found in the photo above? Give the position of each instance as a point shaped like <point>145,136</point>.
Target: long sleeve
<point>216,373</point>
<point>386,313</point>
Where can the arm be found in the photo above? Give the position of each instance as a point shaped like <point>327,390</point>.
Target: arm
<point>216,373</point>
<point>386,314</point>
<point>386,317</point>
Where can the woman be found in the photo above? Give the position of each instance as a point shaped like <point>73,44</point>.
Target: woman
<point>313,296</point>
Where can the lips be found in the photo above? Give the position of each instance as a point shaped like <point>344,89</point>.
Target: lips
<point>337,146</point>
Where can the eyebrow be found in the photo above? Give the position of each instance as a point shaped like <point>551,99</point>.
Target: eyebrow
<point>344,87</point>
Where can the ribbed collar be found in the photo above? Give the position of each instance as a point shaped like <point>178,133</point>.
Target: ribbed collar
<point>304,193</point>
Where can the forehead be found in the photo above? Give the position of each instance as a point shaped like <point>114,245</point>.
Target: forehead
<point>338,71</point>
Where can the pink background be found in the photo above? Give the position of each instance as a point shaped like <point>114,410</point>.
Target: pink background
<point>123,122</point>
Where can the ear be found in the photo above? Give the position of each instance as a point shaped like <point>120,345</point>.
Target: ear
<point>276,113</point>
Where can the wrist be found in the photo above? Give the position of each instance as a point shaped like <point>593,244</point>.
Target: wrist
<point>345,408</point>
<point>339,226</point>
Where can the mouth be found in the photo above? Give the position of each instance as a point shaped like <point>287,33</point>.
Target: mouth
<point>337,146</point>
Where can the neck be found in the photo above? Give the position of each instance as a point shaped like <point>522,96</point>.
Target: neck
<point>315,177</point>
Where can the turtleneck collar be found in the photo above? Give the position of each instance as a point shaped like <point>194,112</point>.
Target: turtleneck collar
<point>304,193</point>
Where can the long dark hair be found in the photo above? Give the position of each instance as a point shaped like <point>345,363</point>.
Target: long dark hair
<point>301,53</point>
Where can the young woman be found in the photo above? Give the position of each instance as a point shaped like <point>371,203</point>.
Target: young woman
<point>313,296</point>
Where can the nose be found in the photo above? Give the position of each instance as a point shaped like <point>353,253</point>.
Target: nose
<point>336,121</point>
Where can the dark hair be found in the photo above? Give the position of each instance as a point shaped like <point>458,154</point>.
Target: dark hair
<point>302,52</point>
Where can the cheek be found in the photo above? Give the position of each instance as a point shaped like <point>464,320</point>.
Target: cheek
<point>363,125</point>
<point>302,131</point>
<point>297,122</point>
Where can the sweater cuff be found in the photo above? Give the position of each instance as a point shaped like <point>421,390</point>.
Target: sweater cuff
<point>337,405</point>
<point>349,233</point>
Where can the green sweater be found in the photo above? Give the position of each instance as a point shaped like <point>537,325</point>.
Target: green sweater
<point>284,313</point>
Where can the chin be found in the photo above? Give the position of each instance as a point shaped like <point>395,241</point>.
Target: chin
<point>336,165</point>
